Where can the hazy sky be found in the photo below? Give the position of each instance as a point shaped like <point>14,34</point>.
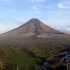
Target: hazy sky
<point>14,13</point>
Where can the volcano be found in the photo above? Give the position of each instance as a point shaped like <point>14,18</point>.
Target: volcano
<point>34,28</point>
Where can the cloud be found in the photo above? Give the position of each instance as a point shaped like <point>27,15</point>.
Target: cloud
<point>31,1</point>
<point>5,20</point>
<point>65,4</point>
<point>61,6</point>
<point>1,28</point>
<point>35,1</point>
<point>6,1</point>
<point>7,24</point>
<point>35,10</point>
<point>60,23</point>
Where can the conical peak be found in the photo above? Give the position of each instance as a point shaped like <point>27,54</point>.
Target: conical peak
<point>34,17</point>
<point>34,28</point>
<point>34,20</point>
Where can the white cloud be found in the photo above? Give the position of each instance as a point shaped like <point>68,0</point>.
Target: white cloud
<point>35,10</point>
<point>48,7</point>
<point>61,6</point>
<point>7,24</point>
<point>6,1</point>
<point>1,28</point>
<point>62,21</point>
<point>65,4</point>
<point>35,1</point>
<point>31,1</point>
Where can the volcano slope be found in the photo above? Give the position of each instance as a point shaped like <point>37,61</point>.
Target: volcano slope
<point>34,28</point>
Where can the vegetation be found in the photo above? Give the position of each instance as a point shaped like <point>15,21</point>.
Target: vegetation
<point>27,54</point>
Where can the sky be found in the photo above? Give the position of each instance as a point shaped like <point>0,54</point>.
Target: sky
<point>55,13</point>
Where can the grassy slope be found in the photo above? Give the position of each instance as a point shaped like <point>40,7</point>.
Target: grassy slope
<point>25,53</point>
